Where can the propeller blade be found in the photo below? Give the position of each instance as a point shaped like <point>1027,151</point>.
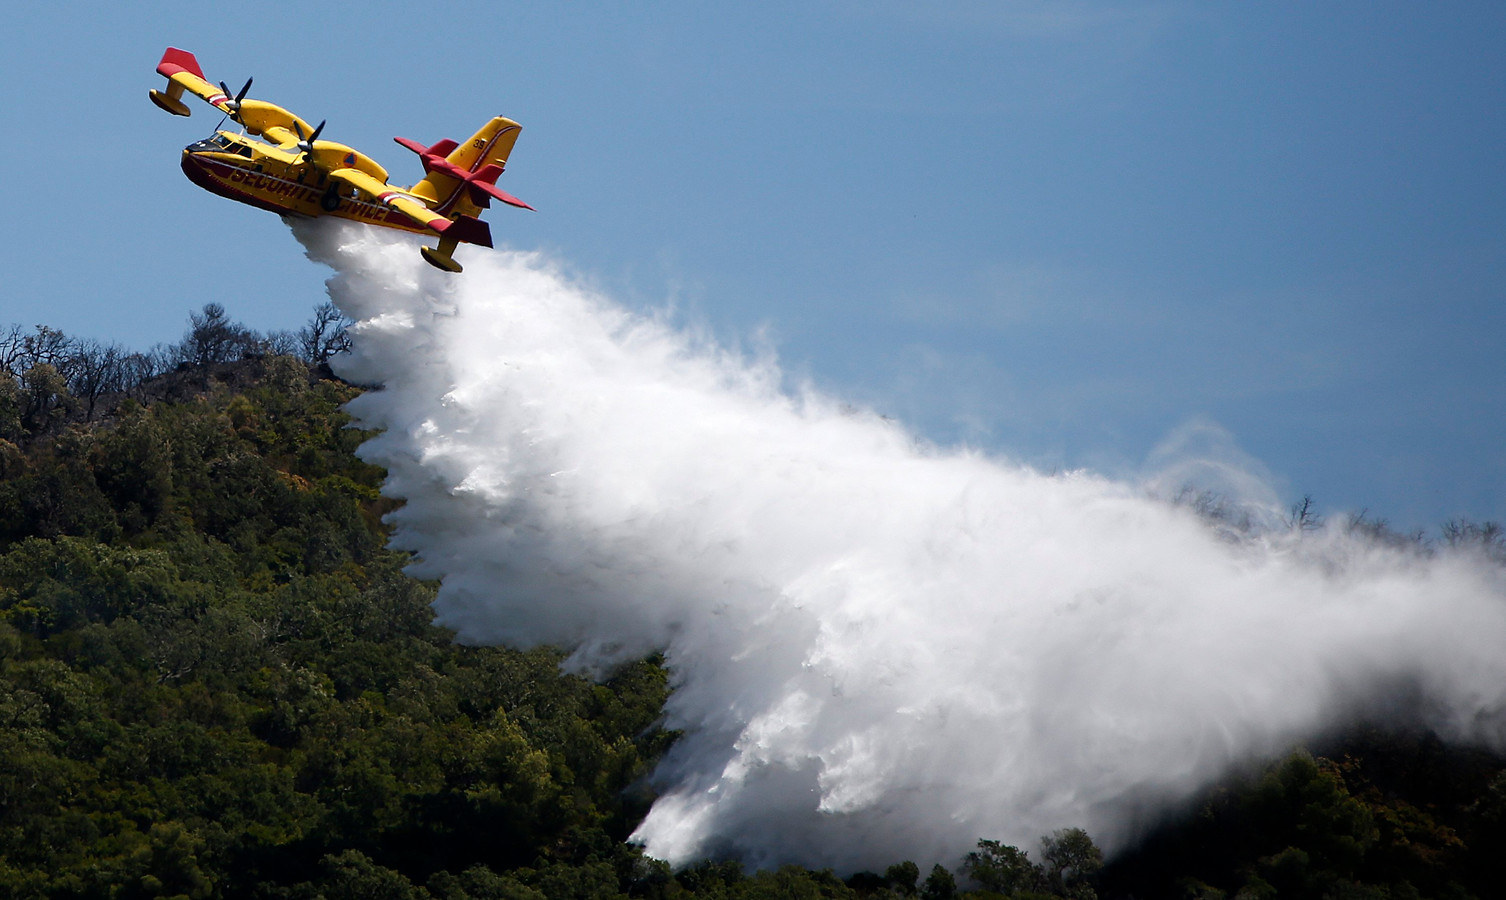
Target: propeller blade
<point>234,103</point>
<point>306,144</point>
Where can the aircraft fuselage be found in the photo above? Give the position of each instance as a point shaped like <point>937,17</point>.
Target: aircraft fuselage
<point>268,178</point>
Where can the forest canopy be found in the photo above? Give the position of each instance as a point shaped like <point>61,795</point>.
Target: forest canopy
<point>217,681</point>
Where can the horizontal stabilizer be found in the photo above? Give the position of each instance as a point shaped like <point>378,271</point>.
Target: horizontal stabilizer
<point>485,179</point>
<point>439,150</point>
<point>480,191</point>
<point>482,182</point>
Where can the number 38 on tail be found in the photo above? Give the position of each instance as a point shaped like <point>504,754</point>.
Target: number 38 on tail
<point>279,163</point>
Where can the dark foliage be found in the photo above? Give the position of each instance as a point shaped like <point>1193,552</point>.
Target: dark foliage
<point>1384,814</point>
<point>215,682</point>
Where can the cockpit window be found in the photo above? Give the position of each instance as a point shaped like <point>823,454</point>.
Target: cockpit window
<point>226,144</point>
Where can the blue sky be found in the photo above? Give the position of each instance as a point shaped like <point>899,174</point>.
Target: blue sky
<point>1062,232</point>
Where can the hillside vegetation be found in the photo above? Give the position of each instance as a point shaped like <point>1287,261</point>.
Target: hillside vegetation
<point>215,681</point>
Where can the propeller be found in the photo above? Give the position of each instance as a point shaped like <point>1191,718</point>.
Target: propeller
<point>306,145</point>
<point>234,103</point>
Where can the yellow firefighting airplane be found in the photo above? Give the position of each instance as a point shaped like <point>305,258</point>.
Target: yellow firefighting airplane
<point>292,171</point>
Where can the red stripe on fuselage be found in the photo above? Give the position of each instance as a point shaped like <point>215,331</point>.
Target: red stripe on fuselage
<point>216,177</point>
<point>264,191</point>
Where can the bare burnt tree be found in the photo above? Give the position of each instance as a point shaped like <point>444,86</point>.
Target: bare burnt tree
<point>136,370</point>
<point>282,343</point>
<point>48,378</point>
<point>1380,531</point>
<point>22,350</point>
<point>213,338</point>
<point>1485,537</point>
<point>50,347</point>
<point>96,370</point>
<point>164,358</point>
<point>325,334</point>
<point>1215,509</point>
<point>1304,518</point>
<point>13,350</point>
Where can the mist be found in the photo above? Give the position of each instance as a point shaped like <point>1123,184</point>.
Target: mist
<point>880,649</point>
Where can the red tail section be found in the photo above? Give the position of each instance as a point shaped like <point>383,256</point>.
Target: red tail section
<point>482,182</point>
<point>460,177</point>
<point>469,231</point>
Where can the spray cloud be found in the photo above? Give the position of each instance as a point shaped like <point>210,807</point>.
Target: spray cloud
<point>880,650</point>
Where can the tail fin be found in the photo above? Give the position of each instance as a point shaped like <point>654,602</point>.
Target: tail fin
<point>488,147</point>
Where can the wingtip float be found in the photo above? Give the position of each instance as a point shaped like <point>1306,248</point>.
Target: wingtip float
<point>277,162</point>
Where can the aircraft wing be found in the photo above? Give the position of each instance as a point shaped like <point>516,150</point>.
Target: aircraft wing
<point>182,71</point>
<point>272,121</point>
<point>384,193</point>
<point>464,228</point>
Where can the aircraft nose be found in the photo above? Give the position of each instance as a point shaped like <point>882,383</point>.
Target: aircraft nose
<point>196,169</point>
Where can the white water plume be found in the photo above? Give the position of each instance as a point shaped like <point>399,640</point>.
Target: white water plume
<point>880,650</point>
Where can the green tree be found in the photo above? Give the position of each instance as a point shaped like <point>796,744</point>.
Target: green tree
<point>902,876</point>
<point>940,885</point>
<point>1071,860</point>
<point>1002,868</point>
